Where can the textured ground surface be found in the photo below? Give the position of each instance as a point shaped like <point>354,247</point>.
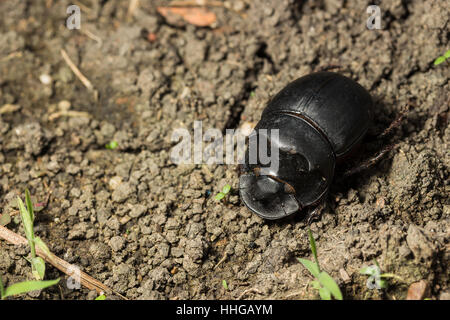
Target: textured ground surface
<point>144,226</point>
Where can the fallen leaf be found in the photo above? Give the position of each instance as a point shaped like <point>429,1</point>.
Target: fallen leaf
<point>197,16</point>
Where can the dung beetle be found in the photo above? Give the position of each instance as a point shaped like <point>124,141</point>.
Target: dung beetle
<point>321,118</point>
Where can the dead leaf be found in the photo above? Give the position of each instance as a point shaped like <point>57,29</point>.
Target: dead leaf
<point>197,16</point>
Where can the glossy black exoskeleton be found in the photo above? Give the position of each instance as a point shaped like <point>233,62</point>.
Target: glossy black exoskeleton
<point>321,118</point>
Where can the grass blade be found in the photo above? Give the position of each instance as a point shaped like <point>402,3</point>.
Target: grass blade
<point>328,282</point>
<point>26,220</point>
<point>312,242</point>
<point>311,266</point>
<point>29,204</point>
<point>28,286</point>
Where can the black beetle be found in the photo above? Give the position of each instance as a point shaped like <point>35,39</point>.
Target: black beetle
<point>321,118</point>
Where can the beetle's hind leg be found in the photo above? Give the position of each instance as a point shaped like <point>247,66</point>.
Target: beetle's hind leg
<point>366,164</point>
<point>396,123</point>
<point>386,149</point>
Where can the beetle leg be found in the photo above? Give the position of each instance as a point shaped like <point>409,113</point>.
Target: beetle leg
<point>329,67</point>
<point>334,67</point>
<point>315,214</point>
<point>371,161</point>
<point>393,125</point>
<point>397,122</point>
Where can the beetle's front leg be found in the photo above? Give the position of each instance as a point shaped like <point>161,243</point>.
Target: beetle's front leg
<point>316,213</point>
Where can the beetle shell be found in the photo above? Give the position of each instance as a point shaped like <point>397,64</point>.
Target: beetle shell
<point>321,117</point>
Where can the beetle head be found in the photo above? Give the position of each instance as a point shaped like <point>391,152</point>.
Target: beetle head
<point>267,196</point>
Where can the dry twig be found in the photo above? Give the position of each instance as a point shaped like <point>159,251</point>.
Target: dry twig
<point>64,266</point>
<point>77,71</point>
<point>251,290</point>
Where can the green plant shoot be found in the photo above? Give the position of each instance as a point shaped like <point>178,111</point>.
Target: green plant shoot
<point>443,58</point>
<point>27,217</point>
<point>374,271</point>
<point>324,283</point>
<point>24,287</point>
<point>225,284</point>
<point>112,145</point>
<point>224,192</point>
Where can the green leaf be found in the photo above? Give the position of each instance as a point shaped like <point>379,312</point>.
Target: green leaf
<point>312,242</point>
<point>325,294</point>
<point>224,284</point>
<point>102,297</point>
<point>439,60</point>
<point>26,220</point>
<point>220,196</point>
<point>226,189</point>
<point>316,284</point>
<point>38,266</point>
<point>328,282</point>
<point>311,266</point>
<point>112,145</point>
<point>369,271</point>
<point>447,54</point>
<point>28,286</point>
<point>382,284</point>
<point>29,204</point>
<point>38,241</point>
<point>5,219</point>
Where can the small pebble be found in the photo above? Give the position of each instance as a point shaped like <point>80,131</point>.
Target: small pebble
<point>247,128</point>
<point>45,79</point>
<point>115,182</point>
<point>64,105</point>
<point>418,290</point>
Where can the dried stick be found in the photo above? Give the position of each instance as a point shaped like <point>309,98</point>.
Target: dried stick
<point>77,71</point>
<point>64,266</point>
<point>251,290</point>
<point>134,4</point>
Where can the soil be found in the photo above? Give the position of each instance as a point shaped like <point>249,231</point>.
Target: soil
<point>151,229</point>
